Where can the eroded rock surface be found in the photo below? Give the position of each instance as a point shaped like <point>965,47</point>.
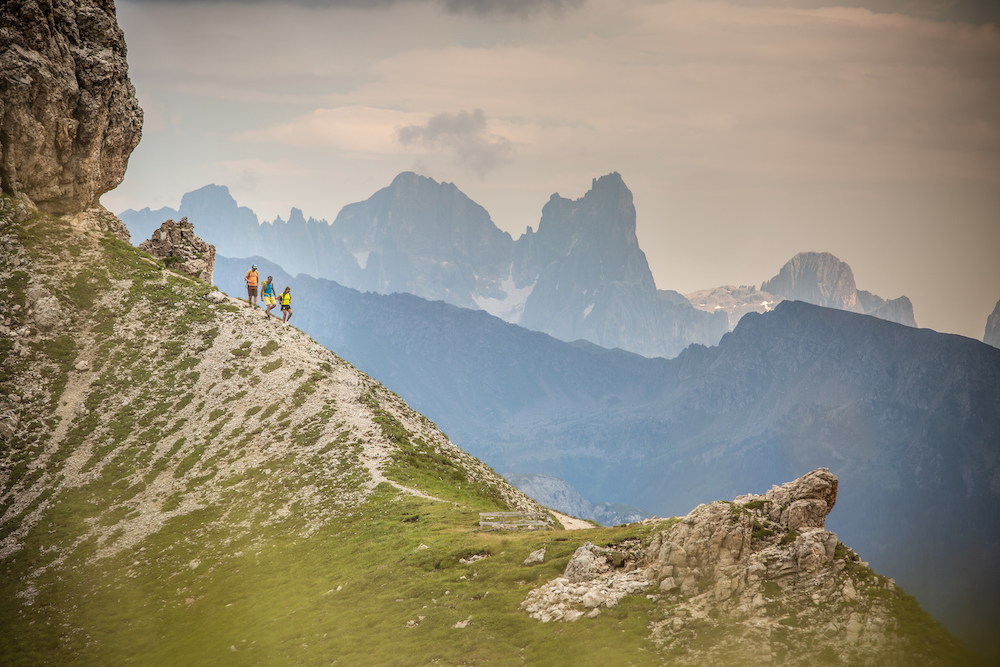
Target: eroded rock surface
<point>760,576</point>
<point>69,118</point>
<point>182,249</point>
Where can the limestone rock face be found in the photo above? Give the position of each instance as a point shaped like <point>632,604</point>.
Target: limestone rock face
<point>182,250</point>
<point>44,307</point>
<point>992,334</point>
<point>100,219</point>
<point>69,118</point>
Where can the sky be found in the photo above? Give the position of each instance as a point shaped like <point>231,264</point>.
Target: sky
<point>747,130</point>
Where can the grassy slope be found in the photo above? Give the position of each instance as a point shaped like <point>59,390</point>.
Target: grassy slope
<point>213,506</point>
<point>225,575</point>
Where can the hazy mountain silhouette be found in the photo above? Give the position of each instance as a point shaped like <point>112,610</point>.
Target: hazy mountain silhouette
<point>582,275</point>
<point>822,279</point>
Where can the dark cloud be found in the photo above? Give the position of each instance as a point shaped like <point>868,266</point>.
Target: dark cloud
<point>499,8</point>
<point>463,133</point>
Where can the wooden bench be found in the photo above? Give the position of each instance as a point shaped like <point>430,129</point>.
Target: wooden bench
<point>514,521</point>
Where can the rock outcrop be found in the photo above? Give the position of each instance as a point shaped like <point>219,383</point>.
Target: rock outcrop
<point>992,333</point>
<point>69,118</point>
<point>822,279</point>
<point>182,250</point>
<point>760,576</point>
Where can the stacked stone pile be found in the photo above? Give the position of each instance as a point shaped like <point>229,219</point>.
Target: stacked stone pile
<point>182,250</point>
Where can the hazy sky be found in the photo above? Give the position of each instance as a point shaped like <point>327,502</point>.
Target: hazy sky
<point>747,131</point>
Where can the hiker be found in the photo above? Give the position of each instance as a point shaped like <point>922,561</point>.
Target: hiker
<point>267,294</point>
<point>286,305</point>
<point>251,280</point>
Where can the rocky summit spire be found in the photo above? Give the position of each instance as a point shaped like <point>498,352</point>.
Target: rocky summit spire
<point>68,110</point>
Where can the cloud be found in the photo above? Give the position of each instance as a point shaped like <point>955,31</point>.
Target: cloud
<point>498,8</point>
<point>356,129</point>
<point>463,133</point>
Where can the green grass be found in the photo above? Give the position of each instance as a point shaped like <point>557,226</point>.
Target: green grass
<point>276,601</point>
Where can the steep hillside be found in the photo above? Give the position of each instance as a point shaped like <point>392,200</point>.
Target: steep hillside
<point>187,482</point>
<point>910,416</point>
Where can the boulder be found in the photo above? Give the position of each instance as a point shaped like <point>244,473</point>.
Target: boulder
<point>215,297</point>
<point>44,307</point>
<point>182,250</point>
<point>588,562</point>
<point>537,556</point>
<point>68,110</point>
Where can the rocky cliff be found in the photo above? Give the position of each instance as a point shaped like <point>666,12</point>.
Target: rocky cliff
<point>69,118</point>
<point>992,334</point>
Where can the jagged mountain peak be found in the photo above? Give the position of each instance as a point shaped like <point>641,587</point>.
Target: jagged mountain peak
<point>216,197</point>
<point>816,277</point>
<point>819,278</point>
<point>604,215</point>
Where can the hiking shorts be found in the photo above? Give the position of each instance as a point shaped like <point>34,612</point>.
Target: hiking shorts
<point>269,300</point>
<point>251,290</point>
<point>286,306</point>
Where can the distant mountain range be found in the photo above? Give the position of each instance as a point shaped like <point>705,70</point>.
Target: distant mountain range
<point>814,277</point>
<point>909,415</point>
<point>580,276</point>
